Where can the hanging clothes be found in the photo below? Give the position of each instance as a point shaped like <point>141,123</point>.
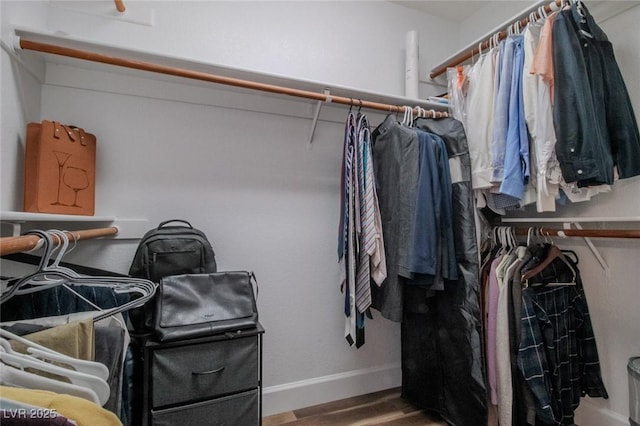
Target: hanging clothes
<point>546,172</point>
<point>53,306</point>
<point>105,341</point>
<point>493,291</point>
<point>544,350</point>
<point>510,143</point>
<point>558,356</point>
<point>416,210</point>
<point>593,115</point>
<point>516,157</point>
<point>479,126</point>
<point>442,368</point>
<point>541,125</point>
<point>568,89</point>
<point>84,413</point>
<point>396,165</point>
<point>360,243</point>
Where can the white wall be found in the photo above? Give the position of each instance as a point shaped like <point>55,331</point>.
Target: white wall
<point>243,174</point>
<point>353,43</point>
<point>20,102</point>
<point>486,19</point>
<point>248,179</point>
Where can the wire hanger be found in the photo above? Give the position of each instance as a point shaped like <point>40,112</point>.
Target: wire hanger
<point>553,253</point>
<point>48,276</point>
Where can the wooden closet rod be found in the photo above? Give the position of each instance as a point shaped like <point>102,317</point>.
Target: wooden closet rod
<point>485,44</point>
<point>213,78</point>
<point>605,233</point>
<point>10,245</point>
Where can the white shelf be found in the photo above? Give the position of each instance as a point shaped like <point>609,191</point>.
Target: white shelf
<point>127,228</point>
<point>11,216</point>
<point>198,66</point>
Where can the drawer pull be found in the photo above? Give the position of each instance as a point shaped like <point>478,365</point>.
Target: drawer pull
<point>204,373</point>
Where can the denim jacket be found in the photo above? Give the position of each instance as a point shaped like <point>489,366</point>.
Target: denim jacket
<point>594,120</point>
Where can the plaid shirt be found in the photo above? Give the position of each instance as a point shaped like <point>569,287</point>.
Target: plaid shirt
<point>558,356</point>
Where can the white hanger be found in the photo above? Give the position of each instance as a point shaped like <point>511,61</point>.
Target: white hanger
<point>62,251</point>
<point>512,238</point>
<point>542,12</point>
<point>42,352</point>
<point>12,376</point>
<point>408,115</point>
<point>516,28</point>
<point>96,384</point>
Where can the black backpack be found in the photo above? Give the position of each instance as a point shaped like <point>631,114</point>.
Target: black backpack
<point>168,250</point>
<point>173,250</point>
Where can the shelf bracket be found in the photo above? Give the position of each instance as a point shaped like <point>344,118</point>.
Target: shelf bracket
<point>316,115</point>
<point>16,228</point>
<point>592,247</point>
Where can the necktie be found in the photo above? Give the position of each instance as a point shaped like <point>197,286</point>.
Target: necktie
<point>366,213</point>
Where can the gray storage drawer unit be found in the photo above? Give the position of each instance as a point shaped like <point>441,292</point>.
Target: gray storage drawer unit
<point>214,380</point>
<point>238,409</point>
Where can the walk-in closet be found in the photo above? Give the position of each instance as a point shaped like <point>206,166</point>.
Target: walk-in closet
<point>417,212</point>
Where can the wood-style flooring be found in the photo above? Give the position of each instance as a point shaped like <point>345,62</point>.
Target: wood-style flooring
<point>384,408</point>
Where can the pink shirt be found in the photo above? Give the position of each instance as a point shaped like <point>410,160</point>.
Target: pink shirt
<point>543,59</point>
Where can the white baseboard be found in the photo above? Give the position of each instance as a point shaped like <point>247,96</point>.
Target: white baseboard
<point>589,414</point>
<point>318,390</point>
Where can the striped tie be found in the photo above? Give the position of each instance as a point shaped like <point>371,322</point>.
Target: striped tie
<point>366,214</point>
<point>346,238</point>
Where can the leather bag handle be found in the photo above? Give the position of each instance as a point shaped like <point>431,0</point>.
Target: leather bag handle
<point>69,129</point>
<point>252,277</point>
<point>162,224</point>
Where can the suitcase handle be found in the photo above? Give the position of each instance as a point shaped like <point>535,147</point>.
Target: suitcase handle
<point>175,220</point>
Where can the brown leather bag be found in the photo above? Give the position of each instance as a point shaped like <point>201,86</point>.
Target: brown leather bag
<point>60,169</point>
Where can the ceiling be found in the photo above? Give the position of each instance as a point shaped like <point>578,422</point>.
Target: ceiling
<point>453,10</point>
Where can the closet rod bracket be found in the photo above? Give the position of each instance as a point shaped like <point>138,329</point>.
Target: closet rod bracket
<point>316,115</point>
<point>592,247</point>
<point>16,228</point>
